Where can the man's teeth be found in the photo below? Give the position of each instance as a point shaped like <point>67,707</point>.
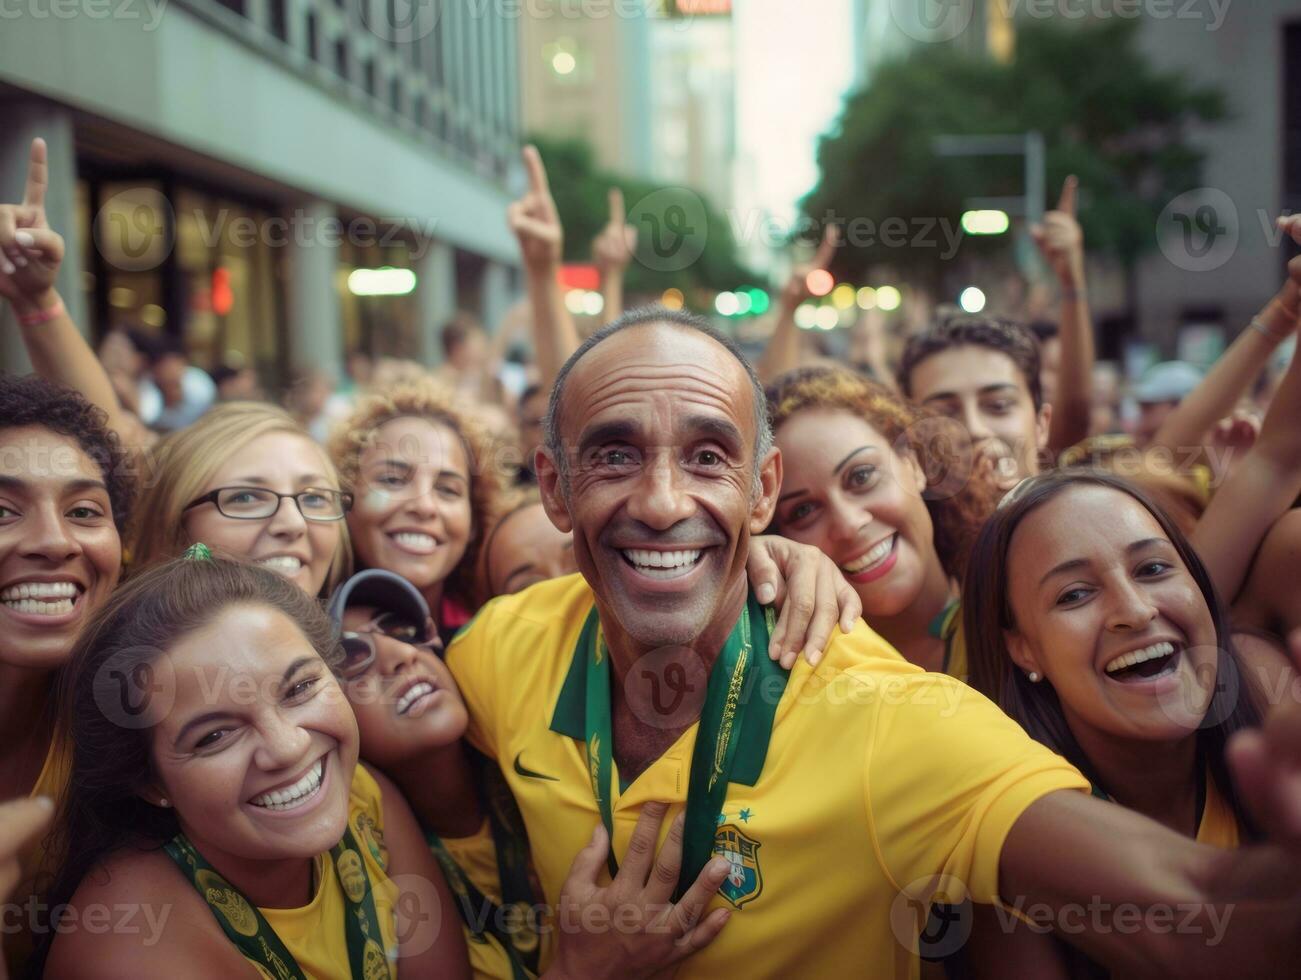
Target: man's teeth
<point>295,795</point>
<point>1155,652</point>
<point>284,564</point>
<point>418,542</point>
<point>662,560</point>
<point>413,695</point>
<point>41,598</point>
<point>878,554</point>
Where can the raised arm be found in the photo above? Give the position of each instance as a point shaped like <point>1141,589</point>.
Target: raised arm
<point>1061,242</point>
<point>1239,366</point>
<point>536,223</point>
<point>612,252</point>
<point>30,255</point>
<point>783,351</point>
<point>1262,488</point>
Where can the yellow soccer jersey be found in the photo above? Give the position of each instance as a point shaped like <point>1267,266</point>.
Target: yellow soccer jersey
<point>877,775</point>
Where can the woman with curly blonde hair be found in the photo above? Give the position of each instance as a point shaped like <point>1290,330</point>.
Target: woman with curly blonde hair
<point>249,482</point>
<point>890,495</point>
<point>427,482</point>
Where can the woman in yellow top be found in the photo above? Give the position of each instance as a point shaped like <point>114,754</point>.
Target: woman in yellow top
<point>215,787</point>
<point>65,492</point>
<point>889,494</point>
<point>1092,621</point>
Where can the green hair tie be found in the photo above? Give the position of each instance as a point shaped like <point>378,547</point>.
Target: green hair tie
<point>198,552</point>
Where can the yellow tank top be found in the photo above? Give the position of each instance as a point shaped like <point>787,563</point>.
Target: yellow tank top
<point>1218,828</point>
<point>314,934</point>
<point>477,857</point>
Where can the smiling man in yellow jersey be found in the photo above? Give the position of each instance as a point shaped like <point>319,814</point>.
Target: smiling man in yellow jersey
<point>830,791</point>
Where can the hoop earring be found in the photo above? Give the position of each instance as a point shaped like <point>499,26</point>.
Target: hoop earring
<point>1034,677</point>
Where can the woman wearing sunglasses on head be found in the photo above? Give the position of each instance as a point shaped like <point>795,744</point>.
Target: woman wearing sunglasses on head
<point>412,723</point>
<point>248,481</point>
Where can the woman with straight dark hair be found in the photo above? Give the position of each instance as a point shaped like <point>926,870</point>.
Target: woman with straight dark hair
<point>1091,620</point>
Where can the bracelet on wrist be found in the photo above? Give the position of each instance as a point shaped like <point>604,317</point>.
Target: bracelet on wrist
<point>39,317</point>
<point>1258,324</point>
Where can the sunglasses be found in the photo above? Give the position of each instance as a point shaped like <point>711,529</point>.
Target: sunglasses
<point>359,645</point>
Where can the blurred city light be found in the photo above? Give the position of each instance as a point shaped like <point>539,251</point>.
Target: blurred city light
<point>843,296</point>
<point>743,302</point>
<point>673,299</point>
<point>972,300</point>
<point>888,298</point>
<point>806,316</point>
<point>760,302</point>
<point>563,63</point>
<point>574,300</point>
<point>828,318</point>
<point>727,304</point>
<point>986,222</point>
<point>593,304</point>
<point>381,282</point>
<point>820,282</point>
<point>867,298</point>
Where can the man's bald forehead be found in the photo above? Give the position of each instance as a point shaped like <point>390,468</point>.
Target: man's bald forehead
<point>663,337</point>
<point>659,343</point>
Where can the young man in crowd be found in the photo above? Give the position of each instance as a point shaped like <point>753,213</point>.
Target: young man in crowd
<point>826,798</point>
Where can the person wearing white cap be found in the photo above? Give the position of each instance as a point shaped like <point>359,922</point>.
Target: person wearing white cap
<point>1159,392</point>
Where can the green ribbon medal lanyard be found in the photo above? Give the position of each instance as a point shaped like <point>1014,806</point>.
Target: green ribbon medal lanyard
<point>728,698</point>
<point>248,929</point>
<point>521,945</point>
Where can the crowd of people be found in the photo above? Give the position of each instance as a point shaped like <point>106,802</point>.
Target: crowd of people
<point>645,657</point>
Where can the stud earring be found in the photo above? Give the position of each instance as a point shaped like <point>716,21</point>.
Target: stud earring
<point>1034,677</point>
<point>162,801</point>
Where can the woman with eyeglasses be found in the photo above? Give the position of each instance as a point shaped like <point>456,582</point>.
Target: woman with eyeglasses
<point>248,481</point>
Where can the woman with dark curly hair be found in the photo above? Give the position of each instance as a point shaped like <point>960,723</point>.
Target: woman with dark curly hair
<point>65,493</point>
<point>889,494</point>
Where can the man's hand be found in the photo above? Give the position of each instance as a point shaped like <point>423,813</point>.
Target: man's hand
<point>631,928</point>
<point>534,219</point>
<point>1061,240</point>
<point>613,248</point>
<point>808,589</point>
<point>30,253</point>
<point>796,290</point>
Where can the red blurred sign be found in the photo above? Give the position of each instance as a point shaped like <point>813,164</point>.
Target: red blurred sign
<point>222,296</point>
<point>580,277</point>
<point>701,8</point>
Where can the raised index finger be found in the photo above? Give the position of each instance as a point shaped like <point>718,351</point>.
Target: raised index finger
<point>38,176</point>
<point>1067,201</point>
<point>537,172</point>
<point>616,206</point>
<point>827,250</point>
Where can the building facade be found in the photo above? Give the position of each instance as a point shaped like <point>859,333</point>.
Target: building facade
<point>236,172</point>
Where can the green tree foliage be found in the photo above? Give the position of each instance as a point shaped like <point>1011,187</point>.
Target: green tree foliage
<point>580,189</point>
<point>1106,113</point>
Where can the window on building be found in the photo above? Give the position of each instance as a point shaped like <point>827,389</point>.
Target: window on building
<point>1292,116</point>
<point>278,19</point>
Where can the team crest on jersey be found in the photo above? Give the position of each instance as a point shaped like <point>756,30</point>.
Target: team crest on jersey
<point>744,881</point>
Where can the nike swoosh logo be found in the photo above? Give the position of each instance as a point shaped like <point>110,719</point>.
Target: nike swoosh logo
<point>529,773</point>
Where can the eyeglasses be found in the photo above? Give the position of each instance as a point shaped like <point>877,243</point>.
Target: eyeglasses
<point>259,503</point>
<point>359,646</point>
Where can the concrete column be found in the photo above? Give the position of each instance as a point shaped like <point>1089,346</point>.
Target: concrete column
<point>315,323</point>
<point>24,121</point>
<point>436,294</point>
<point>496,295</point>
